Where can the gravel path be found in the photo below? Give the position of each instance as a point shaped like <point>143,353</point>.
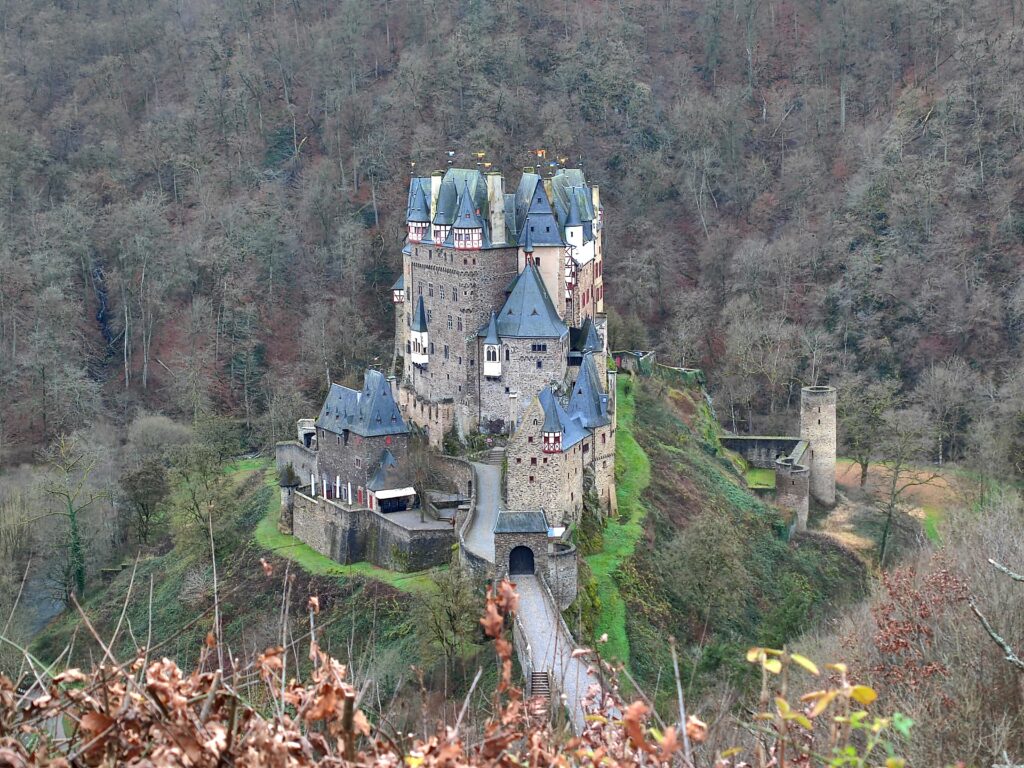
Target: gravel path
<point>552,648</point>
<point>480,537</point>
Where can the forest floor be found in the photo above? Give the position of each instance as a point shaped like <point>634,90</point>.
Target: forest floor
<point>857,523</point>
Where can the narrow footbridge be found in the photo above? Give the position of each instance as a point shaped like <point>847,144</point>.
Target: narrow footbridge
<point>549,648</point>
<point>543,642</point>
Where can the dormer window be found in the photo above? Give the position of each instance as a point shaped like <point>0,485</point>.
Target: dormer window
<point>492,361</point>
<point>552,442</point>
<point>469,239</point>
<point>417,231</point>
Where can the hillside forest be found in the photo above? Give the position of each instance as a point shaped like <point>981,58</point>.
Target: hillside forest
<point>202,212</point>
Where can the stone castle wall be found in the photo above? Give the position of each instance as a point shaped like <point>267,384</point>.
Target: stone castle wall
<point>818,428</point>
<point>538,480</point>
<point>792,490</point>
<point>355,535</point>
<point>504,543</point>
<point>761,452</point>
<point>520,375</point>
<point>302,459</point>
<point>436,419</point>
<point>562,574</point>
<point>459,290</point>
<point>356,460</point>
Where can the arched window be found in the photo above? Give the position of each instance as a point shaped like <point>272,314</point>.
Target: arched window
<point>492,354</point>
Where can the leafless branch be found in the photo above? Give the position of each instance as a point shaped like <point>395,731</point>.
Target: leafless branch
<point>1011,656</point>
<point>1007,571</point>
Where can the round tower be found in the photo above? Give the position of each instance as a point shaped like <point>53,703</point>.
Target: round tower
<point>818,428</point>
<point>791,490</point>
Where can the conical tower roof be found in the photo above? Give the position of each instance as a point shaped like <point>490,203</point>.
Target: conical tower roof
<point>468,217</point>
<point>419,317</point>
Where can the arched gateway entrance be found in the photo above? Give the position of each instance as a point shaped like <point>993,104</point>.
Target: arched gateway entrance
<point>520,561</point>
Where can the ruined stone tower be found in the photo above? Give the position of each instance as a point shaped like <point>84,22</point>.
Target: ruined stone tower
<point>818,428</point>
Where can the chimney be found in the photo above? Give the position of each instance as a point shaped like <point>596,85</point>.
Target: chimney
<point>435,190</point>
<point>496,206</point>
<point>549,190</point>
<point>393,384</point>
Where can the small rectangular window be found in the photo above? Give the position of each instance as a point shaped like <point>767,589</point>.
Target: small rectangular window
<point>430,290</point>
<point>540,363</point>
<point>533,461</point>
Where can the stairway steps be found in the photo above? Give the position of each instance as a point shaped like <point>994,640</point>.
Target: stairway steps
<point>539,705</point>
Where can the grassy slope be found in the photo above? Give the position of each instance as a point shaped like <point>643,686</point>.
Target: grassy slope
<point>357,609</point>
<point>632,475</point>
<point>272,540</point>
<point>686,500</point>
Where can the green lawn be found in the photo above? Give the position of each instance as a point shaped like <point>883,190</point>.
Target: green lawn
<point>760,479</point>
<point>632,475</point>
<point>281,544</point>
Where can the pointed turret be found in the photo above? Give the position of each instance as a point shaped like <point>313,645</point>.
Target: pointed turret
<point>468,229</point>
<point>588,404</point>
<point>419,341</point>
<point>418,214</point>
<point>552,429</point>
<point>492,349</point>
<point>528,311</point>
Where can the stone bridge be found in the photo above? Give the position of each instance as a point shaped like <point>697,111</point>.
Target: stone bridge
<point>495,543</point>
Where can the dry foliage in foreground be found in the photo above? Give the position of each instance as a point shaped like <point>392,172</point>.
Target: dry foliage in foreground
<point>153,714</point>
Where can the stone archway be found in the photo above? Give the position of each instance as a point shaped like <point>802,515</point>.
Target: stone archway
<point>520,561</point>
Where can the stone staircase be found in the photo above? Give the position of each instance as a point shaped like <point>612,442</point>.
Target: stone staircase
<point>495,457</point>
<point>539,704</point>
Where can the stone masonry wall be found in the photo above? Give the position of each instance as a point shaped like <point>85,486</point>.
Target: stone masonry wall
<point>792,490</point>
<point>302,459</point>
<point>761,452</point>
<point>818,427</point>
<point>504,543</point>
<point>436,419</point>
<point>562,573</point>
<point>519,375</point>
<point>604,466</point>
<point>537,480</point>
<point>357,460</point>
<point>354,535</point>
<point>459,290</point>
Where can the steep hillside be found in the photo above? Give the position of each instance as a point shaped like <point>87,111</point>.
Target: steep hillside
<point>203,203</point>
<point>694,555</point>
<point>368,619</point>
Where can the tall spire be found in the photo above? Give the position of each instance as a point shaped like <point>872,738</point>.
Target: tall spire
<point>573,219</point>
<point>526,240</point>
<point>419,318</point>
<point>419,211</point>
<point>468,218</point>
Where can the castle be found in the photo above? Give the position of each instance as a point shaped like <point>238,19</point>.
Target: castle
<point>500,326</point>
<point>500,323</point>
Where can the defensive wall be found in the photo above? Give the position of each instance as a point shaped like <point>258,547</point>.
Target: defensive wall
<point>786,457</point>
<point>395,541</point>
<point>302,459</point>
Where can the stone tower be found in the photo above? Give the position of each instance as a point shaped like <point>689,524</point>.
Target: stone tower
<point>818,428</point>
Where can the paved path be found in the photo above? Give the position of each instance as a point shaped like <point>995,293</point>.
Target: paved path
<point>552,647</point>
<point>480,536</point>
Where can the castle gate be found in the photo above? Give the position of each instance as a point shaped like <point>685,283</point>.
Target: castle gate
<point>520,561</point>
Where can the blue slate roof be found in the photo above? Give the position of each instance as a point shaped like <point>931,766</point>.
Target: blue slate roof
<point>389,474</point>
<point>370,412</point>
<point>540,220</point>
<point>419,317</point>
<point>588,403</point>
<point>531,521</point>
<point>399,284</point>
<point>419,209</point>
<point>490,331</point>
<point>528,311</point>
<point>555,416</point>
<point>469,218</point>
<point>584,338</point>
